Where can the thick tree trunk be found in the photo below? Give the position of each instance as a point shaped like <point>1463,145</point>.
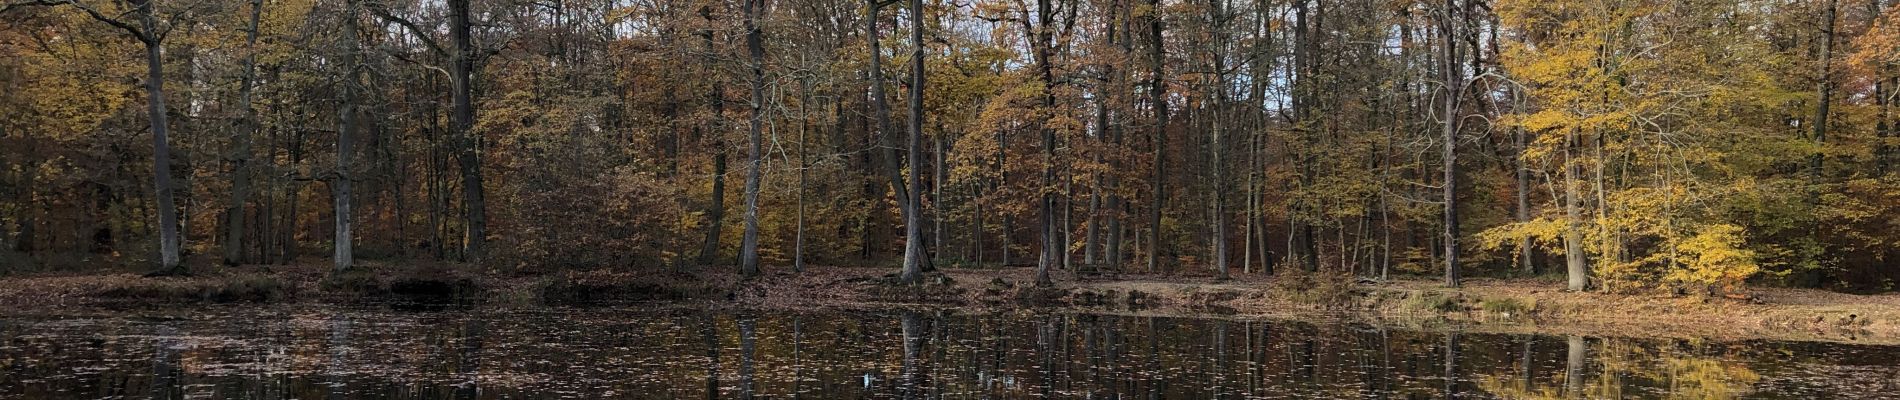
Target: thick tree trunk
<point>1042,41</point>
<point>1116,206</point>
<point>1092,227</point>
<point>168,240</point>
<point>755,47</point>
<point>886,133</point>
<point>461,83</point>
<point>1882,124</point>
<point>1825,92</point>
<point>1157,96</point>
<point>342,175</point>
<point>716,208</point>
<point>1219,141</point>
<point>1454,84</point>
<point>914,254</point>
<point>234,214</point>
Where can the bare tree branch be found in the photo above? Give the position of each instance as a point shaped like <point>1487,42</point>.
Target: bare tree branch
<point>141,35</point>
<point>382,12</point>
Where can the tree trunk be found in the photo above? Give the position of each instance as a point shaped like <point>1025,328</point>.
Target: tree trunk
<point>1826,93</point>
<point>914,254</point>
<point>346,128</point>
<point>1573,221</point>
<point>1157,95</point>
<point>235,218</point>
<point>1526,256</point>
<point>461,70</point>
<point>716,209</point>
<point>755,47</point>
<point>168,242</point>
<point>1882,124</point>
<point>937,202</point>
<point>1454,84</point>
<point>804,162</point>
<point>25,238</point>
<point>1219,143</point>
<point>1042,41</point>
<point>1092,227</point>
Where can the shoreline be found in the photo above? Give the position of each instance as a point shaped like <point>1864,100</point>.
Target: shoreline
<point>1510,306</point>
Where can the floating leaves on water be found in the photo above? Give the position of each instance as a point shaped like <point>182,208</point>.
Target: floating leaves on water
<point>312,352</point>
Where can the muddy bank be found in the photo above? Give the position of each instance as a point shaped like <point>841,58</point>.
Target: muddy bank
<point>1503,306</point>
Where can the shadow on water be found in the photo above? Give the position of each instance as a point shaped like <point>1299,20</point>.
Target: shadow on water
<point>310,353</point>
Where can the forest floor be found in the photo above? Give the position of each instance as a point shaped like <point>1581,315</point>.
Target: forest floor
<point>1481,304</point>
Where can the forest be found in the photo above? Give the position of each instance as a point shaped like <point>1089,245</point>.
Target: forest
<point>1612,145</point>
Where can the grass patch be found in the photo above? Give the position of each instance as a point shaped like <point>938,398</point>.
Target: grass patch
<point>1507,306</point>
<point>1322,289</point>
<point>1431,302</point>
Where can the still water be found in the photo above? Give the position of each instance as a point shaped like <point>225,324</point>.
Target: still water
<point>310,353</point>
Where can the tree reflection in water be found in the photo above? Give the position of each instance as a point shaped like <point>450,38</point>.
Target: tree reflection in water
<point>898,354</point>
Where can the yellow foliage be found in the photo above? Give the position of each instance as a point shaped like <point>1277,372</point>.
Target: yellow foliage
<point>1714,256</point>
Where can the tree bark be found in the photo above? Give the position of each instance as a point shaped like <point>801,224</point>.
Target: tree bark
<point>235,216</point>
<point>914,254</point>
<point>1453,90</point>
<point>804,162</point>
<point>1041,41</point>
<point>716,209</point>
<point>1573,222</point>
<point>1882,124</point>
<point>461,84</point>
<point>346,128</point>
<point>1826,93</point>
<point>168,239</point>
<point>1157,95</point>
<point>1526,255</point>
<point>755,47</point>
<point>1218,142</point>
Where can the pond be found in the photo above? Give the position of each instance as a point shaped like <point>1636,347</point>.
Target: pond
<point>377,353</point>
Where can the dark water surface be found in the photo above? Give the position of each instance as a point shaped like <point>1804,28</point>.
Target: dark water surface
<point>311,353</point>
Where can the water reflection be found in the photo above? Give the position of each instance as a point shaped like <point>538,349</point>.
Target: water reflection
<point>327,353</point>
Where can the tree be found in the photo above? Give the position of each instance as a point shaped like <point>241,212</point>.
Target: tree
<point>1824,89</point>
<point>755,48</point>
<point>461,71</point>
<point>347,114</point>
<point>914,254</point>
<point>1158,99</point>
<point>462,55</point>
<point>234,213</point>
<point>1454,89</point>
<point>716,208</point>
<point>151,33</point>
